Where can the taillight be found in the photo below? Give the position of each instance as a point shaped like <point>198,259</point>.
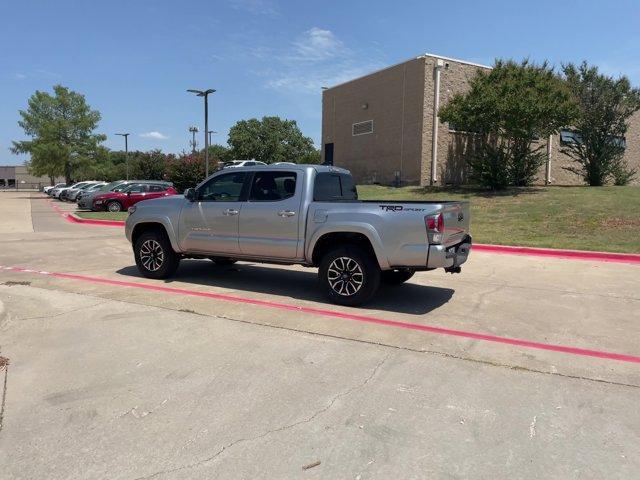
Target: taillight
<point>435,227</point>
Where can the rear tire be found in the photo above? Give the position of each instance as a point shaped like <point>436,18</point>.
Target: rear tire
<point>154,255</point>
<point>114,206</point>
<point>349,276</point>
<point>396,277</point>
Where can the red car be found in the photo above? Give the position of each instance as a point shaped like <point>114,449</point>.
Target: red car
<point>134,193</point>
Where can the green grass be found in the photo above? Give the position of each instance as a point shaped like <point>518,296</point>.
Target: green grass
<point>103,215</point>
<point>582,218</point>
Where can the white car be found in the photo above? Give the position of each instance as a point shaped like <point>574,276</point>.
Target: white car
<point>242,163</point>
<point>48,189</point>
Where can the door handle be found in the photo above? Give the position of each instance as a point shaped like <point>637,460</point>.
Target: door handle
<point>286,213</point>
<point>231,211</point>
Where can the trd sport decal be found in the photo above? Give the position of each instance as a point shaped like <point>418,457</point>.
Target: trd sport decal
<point>400,208</point>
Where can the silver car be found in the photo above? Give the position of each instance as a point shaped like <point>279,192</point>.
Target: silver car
<point>72,194</point>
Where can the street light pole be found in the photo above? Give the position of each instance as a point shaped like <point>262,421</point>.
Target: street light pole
<point>205,94</point>
<point>211,132</point>
<point>126,150</point>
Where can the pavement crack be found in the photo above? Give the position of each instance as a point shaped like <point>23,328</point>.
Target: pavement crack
<point>66,312</point>
<point>282,428</point>
<point>4,366</point>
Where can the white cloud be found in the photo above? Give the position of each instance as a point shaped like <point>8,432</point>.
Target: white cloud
<point>19,76</point>
<point>316,59</point>
<point>155,135</point>
<point>317,45</point>
<point>256,7</point>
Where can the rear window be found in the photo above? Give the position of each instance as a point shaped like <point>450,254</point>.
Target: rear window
<point>334,186</point>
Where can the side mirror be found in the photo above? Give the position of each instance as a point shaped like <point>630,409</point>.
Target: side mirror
<point>190,194</point>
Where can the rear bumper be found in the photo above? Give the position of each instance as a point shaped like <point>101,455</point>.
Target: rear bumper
<point>441,256</point>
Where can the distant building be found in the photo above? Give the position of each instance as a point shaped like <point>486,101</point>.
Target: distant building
<point>382,127</point>
<point>17,176</point>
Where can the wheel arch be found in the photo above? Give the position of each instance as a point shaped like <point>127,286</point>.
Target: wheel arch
<point>147,226</point>
<point>364,238</point>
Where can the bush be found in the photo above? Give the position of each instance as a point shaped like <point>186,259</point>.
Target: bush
<point>490,167</point>
<point>622,174</point>
<point>186,171</point>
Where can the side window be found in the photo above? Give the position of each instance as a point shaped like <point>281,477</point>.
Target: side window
<point>136,188</point>
<point>334,186</point>
<point>249,164</point>
<point>157,188</point>
<point>272,186</point>
<point>223,188</point>
<point>327,187</point>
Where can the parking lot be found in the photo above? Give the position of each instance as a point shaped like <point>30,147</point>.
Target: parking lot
<point>520,367</point>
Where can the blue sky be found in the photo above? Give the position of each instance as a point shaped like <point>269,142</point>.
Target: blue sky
<point>134,59</point>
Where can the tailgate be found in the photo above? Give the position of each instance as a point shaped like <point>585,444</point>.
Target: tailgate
<point>456,222</point>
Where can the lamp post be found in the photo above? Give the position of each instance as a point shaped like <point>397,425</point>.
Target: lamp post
<point>205,95</point>
<point>211,132</point>
<point>126,150</point>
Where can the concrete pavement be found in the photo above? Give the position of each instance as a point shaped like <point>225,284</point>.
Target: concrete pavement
<point>108,381</point>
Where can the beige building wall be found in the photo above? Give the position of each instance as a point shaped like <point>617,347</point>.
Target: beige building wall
<point>453,147</point>
<point>400,101</point>
<point>393,100</point>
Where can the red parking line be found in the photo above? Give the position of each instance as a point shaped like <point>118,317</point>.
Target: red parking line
<point>345,316</point>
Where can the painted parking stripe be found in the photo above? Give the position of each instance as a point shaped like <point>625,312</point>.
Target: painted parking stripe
<point>342,315</point>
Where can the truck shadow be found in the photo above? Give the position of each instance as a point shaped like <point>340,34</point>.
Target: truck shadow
<point>409,298</point>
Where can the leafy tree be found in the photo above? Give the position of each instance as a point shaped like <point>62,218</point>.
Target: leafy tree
<point>219,154</point>
<point>61,128</point>
<point>186,171</point>
<point>510,107</point>
<point>604,106</point>
<point>312,157</point>
<point>269,140</point>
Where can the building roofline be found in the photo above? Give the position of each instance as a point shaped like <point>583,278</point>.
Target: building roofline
<point>451,59</point>
<point>373,73</point>
<point>433,55</point>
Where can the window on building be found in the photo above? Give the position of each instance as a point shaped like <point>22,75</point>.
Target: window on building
<point>362,128</point>
<point>568,137</point>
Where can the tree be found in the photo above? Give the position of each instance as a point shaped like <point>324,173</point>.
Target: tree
<point>61,129</point>
<point>219,154</point>
<point>186,171</point>
<point>604,106</point>
<point>510,107</point>
<point>269,140</point>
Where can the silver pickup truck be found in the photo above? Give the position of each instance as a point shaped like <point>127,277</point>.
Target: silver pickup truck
<point>300,214</point>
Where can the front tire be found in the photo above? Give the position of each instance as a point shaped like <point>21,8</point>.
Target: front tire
<point>396,277</point>
<point>154,255</point>
<point>349,275</point>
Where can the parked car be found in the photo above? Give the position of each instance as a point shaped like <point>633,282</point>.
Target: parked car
<point>89,189</point>
<point>65,191</point>
<point>48,188</point>
<point>72,193</point>
<point>55,192</point>
<point>242,163</point>
<point>86,200</point>
<point>303,214</point>
<point>134,193</point>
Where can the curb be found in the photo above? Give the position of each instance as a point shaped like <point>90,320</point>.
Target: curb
<point>559,253</point>
<point>73,218</point>
<point>611,257</point>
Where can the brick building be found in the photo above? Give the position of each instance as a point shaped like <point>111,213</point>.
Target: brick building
<point>382,127</point>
